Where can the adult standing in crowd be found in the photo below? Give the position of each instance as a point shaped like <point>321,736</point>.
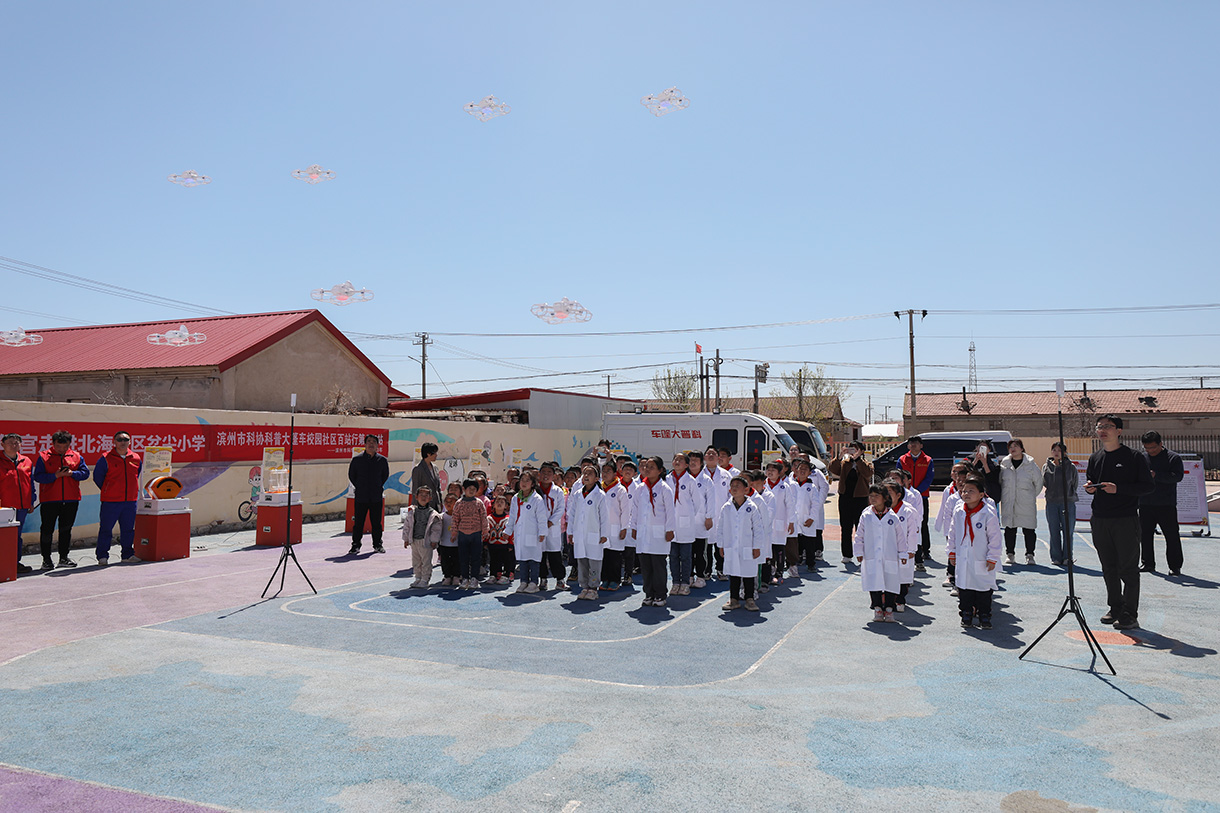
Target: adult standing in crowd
<point>855,476</point>
<point>368,472</point>
<point>1020,485</point>
<point>984,464</point>
<point>1161,506</point>
<point>16,486</point>
<point>425,474</point>
<point>922,469</point>
<point>1117,478</point>
<point>58,472</point>
<point>117,474</point>
<point>1060,501</point>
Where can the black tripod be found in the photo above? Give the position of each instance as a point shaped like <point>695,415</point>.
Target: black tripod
<point>288,553</point>
<point>1071,604</point>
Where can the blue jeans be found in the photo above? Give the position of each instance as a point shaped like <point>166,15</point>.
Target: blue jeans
<point>680,561</point>
<point>1061,536</point>
<point>527,571</point>
<point>470,555</point>
<point>125,514</point>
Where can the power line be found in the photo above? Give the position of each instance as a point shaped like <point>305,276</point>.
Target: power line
<point>1078,311</point>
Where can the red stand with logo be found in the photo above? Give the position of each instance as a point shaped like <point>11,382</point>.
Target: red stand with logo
<point>10,544</point>
<point>163,529</point>
<point>272,518</point>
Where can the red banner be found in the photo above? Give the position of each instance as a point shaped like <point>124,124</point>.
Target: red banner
<point>197,442</point>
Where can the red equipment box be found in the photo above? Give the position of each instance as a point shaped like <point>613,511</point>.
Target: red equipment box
<point>161,537</point>
<point>10,540</point>
<point>271,524</point>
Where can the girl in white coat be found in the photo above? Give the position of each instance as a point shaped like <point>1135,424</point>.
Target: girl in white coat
<point>701,554</point>
<point>618,518</point>
<point>653,527</point>
<point>881,551</point>
<point>908,524</point>
<point>1020,485</point>
<point>974,548</point>
<point>588,530</point>
<point>689,508</point>
<point>782,528</point>
<point>949,500</point>
<point>527,517</point>
<point>553,496</point>
<point>740,532</point>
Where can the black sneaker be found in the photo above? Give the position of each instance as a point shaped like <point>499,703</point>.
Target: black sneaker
<point>1175,572</point>
<point>354,550</point>
<point>64,561</point>
<point>1127,622</point>
<point>24,568</point>
<point>378,549</point>
<point>985,625</point>
<point>1147,568</point>
<point>47,564</point>
<point>967,623</point>
<point>1108,618</point>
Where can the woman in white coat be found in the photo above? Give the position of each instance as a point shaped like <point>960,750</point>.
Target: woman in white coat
<point>880,550</point>
<point>526,527</point>
<point>588,530</point>
<point>740,532</point>
<point>1020,485</point>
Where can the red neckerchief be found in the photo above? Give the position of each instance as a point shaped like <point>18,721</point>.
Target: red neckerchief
<point>650,497</point>
<point>677,486</point>
<point>546,495</point>
<point>801,482</point>
<point>751,492</point>
<point>517,500</point>
<point>772,485</point>
<point>897,505</point>
<point>587,490</point>
<point>971,512</point>
<point>606,488</point>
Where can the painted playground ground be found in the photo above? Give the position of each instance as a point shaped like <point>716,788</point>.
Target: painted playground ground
<point>172,686</point>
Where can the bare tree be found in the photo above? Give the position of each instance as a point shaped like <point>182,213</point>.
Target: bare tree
<point>675,385</point>
<point>816,394</point>
<point>339,402</point>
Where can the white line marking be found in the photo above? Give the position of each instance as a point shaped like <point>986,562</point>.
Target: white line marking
<point>571,806</point>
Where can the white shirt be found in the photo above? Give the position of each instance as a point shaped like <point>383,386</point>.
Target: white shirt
<point>739,531</point>
<point>653,517</point>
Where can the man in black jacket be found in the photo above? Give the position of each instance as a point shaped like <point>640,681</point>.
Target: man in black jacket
<point>1117,478</point>
<point>368,472</point>
<point>1161,506</point>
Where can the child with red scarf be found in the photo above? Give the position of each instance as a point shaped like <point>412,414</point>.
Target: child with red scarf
<point>974,547</point>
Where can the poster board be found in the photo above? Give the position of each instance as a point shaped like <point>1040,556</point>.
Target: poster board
<point>158,461</point>
<point>1192,492</point>
<point>273,457</point>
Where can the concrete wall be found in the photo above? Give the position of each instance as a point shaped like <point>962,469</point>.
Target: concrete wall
<point>184,388</point>
<point>558,410</point>
<point>217,489</point>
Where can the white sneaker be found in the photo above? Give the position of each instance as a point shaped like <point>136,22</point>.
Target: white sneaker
<point>685,591</point>
<point>954,591</point>
<point>889,616</point>
<point>878,615</point>
<point>699,583</point>
<point>1009,559</point>
<point>103,562</point>
<point>946,583</point>
<point>817,554</point>
<point>676,590</point>
<point>542,585</point>
<point>532,587</point>
<point>521,587</point>
<point>502,580</point>
<point>847,560</point>
<point>792,572</point>
<point>1029,559</point>
<point>901,608</point>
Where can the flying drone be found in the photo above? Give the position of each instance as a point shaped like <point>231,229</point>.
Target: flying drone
<point>177,338</point>
<point>190,178</point>
<point>667,101</point>
<point>19,338</point>
<point>313,174</point>
<point>487,109</point>
<point>565,310</point>
<point>344,294</point>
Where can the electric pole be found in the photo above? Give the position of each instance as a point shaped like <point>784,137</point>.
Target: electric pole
<point>423,340</point>
<point>717,363</point>
<point>607,385</point>
<point>911,328</point>
<point>760,377</point>
<point>868,413</point>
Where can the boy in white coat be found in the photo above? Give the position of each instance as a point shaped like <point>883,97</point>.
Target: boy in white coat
<point>588,530</point>
<point>653,526</point>
<point>784,541</point>
<point>974,546</point>
<point>949,500</point>
<point>740,531</point>
<point>618,517</point>
<point>631,485</point>
<point>688,518</point>
<point>556,501</point>
<point>701,555</point>
<point>908,526</point>
<point>526,526</point>
<point>881,551</point>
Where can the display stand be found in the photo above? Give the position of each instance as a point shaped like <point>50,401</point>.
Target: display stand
<point>163,529</point>
<point>273,519</point>
<point>10,543</point>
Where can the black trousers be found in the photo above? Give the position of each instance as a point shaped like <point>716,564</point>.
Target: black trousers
<point>629,558</point>
<point>808,546</point>
<point>736,583</point>
<point>1031,540</point>
<point>974,602</point>
<point>502,560</point>
<point>925,547</point>
<point>63,514</point>
<point>652,567</point>
<point>612,566</point>
<point>552,565</point>
<point>450,561</point>
<point>372,510</point>
<point>1167,517</point>
<point>699,558</point>
<point>850,509</point>
<point>881,600</point>
<point>1118,549</point>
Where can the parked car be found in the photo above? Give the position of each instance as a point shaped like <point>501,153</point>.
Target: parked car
<point>945,448</point>
<point>807,437</point>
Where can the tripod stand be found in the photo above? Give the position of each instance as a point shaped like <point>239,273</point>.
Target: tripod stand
<point>1071,604</point>
<point>288,553</point>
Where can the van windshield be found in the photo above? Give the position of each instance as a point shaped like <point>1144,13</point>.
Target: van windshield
<point>785,441</point>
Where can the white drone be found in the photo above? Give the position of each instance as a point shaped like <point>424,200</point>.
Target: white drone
<point>313,174</point>
<point>563,311</point>
<point>19,338</point>
<point>487,109</point>
<point>344,294</point>
<point>190,178</point>
<point>177,338</point>
<point>667,101</point>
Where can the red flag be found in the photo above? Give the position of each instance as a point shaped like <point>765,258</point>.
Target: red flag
<point>698,349</point>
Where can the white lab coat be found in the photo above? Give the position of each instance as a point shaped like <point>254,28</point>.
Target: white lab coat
<point>785,506</point>
<point>771,509</point>
<point>949,500</point>
<point>1019,490</point>
<point>908,523</point>
<point>653,518</point>
<point>588,522</point>
<point>526,522</point>
<point>629,517</point>
<point>878,541</point>
<point>914,499</point>
<point>720,487</point>
<point>972,555</point>
<point>556,503</point>
<point>618,514</point>
<point>739,532</point>
<point>810,504</point>
<point>704,489</point>
<point>688,513</point>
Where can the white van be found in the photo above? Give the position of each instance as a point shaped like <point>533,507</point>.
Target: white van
<point>752,439</point>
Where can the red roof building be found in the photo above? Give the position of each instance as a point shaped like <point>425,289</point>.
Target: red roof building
<point>249,361</point>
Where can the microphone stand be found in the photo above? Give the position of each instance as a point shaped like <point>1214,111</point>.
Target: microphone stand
<point>1071,604</point>
<point>288,553</point>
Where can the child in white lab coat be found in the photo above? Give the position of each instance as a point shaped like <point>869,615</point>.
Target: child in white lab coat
<point>975,542</point>
<point>740,532</point>
<point>950,500</point>
<point>908,524</point>
<point>527,517</point>
<point>618,515</point>
<point>588,530</point>
<point>881,551</point>
<point>689,507</point>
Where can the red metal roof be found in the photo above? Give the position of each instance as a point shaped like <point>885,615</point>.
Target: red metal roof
<point>1119,402</point>
<point>486,399</point>
<point>230,341</point>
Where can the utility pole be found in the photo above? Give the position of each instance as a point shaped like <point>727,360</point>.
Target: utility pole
<point>760,376</point>
<point>717,363</point>
<point>423,340</point>
<point>868,413</point>
<point>607,385</point>
<point>911,328</point>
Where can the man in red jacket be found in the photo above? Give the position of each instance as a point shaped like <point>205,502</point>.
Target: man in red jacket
<point>58,472</point>
<point>117,474</point>
<point>921,469</point>
<point>16,486</point>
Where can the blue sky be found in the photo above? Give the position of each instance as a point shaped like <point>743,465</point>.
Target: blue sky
<point>837,159</point>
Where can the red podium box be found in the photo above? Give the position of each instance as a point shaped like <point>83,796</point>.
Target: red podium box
<point>349,520</point>
<point>271,522</point>
<point>161,537</point>
<point>10,540</point>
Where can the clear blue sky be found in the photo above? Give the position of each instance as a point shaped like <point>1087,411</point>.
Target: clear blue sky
<point>837,159</point>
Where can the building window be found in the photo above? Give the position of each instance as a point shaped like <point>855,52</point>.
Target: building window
<point>995,424</point>
<point>934,425</point>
